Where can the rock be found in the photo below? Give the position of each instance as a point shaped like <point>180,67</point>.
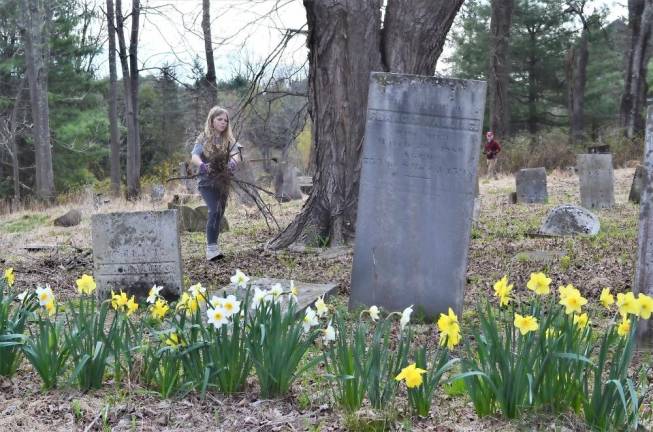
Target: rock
<point>72,218</point>
<point>568,219</point>
<point>157,192</point>
<point>286,186</point>
<point>194,219</point>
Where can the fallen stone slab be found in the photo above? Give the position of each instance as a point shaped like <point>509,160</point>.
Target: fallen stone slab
<point>568,219</point>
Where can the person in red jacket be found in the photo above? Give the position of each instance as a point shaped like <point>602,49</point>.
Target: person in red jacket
<point>491,151</point>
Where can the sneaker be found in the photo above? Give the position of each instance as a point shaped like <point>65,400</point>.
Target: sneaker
<point>213,252</point>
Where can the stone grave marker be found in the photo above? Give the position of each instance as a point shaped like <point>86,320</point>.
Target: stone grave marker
<point>644,269</point>
<point>416,195</point>
<point>531,186</point>
<point>286,186</point>
<point>596,180</point>
<point>157,193</point>
<point>133,251</point>
<point>637,186</point>
<point>568,219</point>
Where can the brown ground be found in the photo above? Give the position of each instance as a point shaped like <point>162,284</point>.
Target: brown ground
<point>499,245</point>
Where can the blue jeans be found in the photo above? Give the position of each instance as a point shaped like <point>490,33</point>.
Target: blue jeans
<point>212,199</point>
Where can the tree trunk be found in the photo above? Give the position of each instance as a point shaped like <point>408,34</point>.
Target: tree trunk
<point>640,14</point>
<point>113,102</point>
<point>13,143</point>
<point>576,79</point>
<point>532,86</point>
<point>35,35</point>
<point>211,83</point>
<point>130,83</point>
<point>345,45</point>
<point>499,68</point>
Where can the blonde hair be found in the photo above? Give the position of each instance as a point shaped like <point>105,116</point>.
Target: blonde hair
<point>212,140</point>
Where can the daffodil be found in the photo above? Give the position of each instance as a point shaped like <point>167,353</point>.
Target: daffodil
<point>294,291</point>
<point>160,309</point>
<point>230,305</point>
<point>573,302</point>
<point>321,308</point>
<point>581,320</point>
<point>627,304</point>
<point>566,291</point>
<point>153,294</point>
<point>539,283</point>
<point>606,298</point>
<point>188,303</point>
<point>198,292</point>
<point>44,294</point>
<point>86,284</point>
<point>310,319</point>
<point>624,328</point>
<point>502,290</point>
<point>118,301</point>
<point>449,329</point>
<point>412,375</point>
<point>173,340</point>
<point>329,333</point>
<point>276,291</point>
<point>217,317</point>
<point>131,306</point>
<point>374,312</point>
<point>405,316</point>
<point>258,297</point>
<point>50,307</point>
<point>551,333</point>
<point>239,279</point>
<point>9,276</point>
<point>645,306</point>
<point>526,324</point>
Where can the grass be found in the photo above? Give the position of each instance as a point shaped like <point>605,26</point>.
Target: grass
<point>24,223</point>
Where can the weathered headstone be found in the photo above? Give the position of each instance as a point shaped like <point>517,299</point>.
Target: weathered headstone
<point>186,171</point>
<point>133,251</point>
<point>637,186</point>
<point>157,193</point>
<point>531,185</point>
<point>596,180</point>
<point>568,219</point>
<point>72,218</point>
<point>417,192</point>
<point>286,187</point>
<point>194,219</point>
<point>644,269</point>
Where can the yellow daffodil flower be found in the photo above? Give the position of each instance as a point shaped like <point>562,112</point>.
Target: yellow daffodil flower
<point>51,307</point>
<point>581,320</point>
<point>449,329</point>
<point>173,340</point>
<point>86,284</point>
<point>502,290</point>
<point>526,324</point>
<point>573,302</point>
<point>645,306</point>
<point>412,375</point>
<point>627,304</point>
<point>539,283</point>
<point>565,291</point>
<point>119,300</point>
<point>131,305</point>
<point>160,309</point>
<point>606,298</point>
<point>624,328</point>
<point>9,276</point>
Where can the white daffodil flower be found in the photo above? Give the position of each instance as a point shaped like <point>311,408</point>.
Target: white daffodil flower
<point>239,279</point>
<point>217,317</point>
<point>374,313</point>
<point>230,305</point>
<point>45,295</point>
<point>153,294</point>
<point>258,297</point>
<point>216,301</point>
<point>294,291</point>
<point>320,307</point>
<point>310,319</point>
<point>405,316</point>
<point>276,291</point>
<point>21,296</point>
<point>197,290</point>
<point>329,333</point>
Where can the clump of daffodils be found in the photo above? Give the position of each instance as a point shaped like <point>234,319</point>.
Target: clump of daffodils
<point>122,303</point>
<point>46,299</point>
<point>86,284</point>
<point>221,310</point>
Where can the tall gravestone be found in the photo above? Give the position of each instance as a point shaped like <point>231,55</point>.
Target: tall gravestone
<point>644,270</point>
<point>133,251</point>
<point>596,177</point>
<point>531,185</point>
<point>416,196</point>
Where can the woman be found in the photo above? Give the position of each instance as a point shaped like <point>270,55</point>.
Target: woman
<point>216,154</point>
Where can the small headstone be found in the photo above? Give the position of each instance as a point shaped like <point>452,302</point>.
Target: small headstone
<point>286,187</point>
<point>133,251</point>
<point>307,292</point>
<point>596,180</point>
<point>305,184</point>
<point>637,186</point>
<point>568,219</point>
<point>157,192</point>
<point>71,218</point>
<point>644,270</point>
<point>203,213</point>
<point>531,186</point>
<point>416,197</point>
